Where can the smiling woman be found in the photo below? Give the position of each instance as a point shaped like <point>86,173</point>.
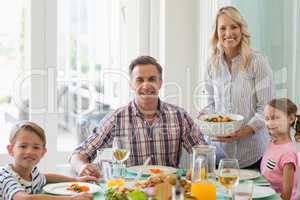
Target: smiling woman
<point>238,80</point>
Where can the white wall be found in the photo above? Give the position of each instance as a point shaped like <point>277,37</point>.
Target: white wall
<point>178,51</point>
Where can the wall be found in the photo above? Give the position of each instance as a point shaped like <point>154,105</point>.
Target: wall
<point>178,51</point>
<point>277,36</point>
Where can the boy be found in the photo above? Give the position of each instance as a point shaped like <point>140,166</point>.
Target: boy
<point>22,180</point>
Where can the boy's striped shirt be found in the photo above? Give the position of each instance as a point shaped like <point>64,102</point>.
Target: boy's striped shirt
<point>11,183</point>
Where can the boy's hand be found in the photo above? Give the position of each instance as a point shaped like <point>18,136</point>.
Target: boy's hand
<point>82,196</point>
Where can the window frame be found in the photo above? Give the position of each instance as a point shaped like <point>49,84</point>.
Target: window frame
<point>43,108</point>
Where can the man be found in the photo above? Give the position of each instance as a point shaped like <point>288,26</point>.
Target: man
<point>149,126</point>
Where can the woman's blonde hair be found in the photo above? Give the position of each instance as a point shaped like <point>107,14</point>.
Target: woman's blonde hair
<point>27,126</point>
<point>217,49</point>
<point>287,106</point>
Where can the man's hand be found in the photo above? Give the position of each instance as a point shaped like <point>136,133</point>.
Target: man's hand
<point>239,134</point>
<point>89,169</point>
<point>88,179</point>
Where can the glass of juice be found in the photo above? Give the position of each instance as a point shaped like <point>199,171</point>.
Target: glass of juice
<point>204,190</point>
<point>202,186</point>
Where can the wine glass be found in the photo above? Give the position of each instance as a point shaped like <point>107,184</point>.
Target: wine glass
<point>120,150</point>
<point>228,174</point>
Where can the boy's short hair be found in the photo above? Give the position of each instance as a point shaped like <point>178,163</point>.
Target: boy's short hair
<point>27,126</point>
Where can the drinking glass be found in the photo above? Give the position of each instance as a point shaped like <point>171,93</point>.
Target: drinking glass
<point>202,187</point>
<point>120,150</point>
<point>208,153</point>
<point>244,190</point>
<point>108,172</point>
<point>120,155</point>
<point>228,174</point>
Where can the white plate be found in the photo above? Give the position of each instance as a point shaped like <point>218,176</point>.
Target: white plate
<point>61,188</point>
<point>147,172</point>
<point>258,192</point>
<point>248,174</point>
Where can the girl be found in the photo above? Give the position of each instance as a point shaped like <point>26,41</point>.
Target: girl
<point>280,161</point>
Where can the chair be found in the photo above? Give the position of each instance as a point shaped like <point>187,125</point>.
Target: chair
<point>86,124</point>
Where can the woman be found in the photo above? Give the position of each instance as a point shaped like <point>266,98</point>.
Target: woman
<point>238,80</point>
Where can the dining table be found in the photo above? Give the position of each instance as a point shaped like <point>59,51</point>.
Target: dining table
<point>258,181</point>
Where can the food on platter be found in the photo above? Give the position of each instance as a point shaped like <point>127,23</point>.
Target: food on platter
<point>220,124</point>
<point>151,181</point>
<point>219,118</point>
<point>153,186</point>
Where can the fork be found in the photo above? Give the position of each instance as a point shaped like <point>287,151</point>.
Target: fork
<point>146,162</point>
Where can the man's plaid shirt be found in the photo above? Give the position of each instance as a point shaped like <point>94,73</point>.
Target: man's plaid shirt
<point>171,130</point>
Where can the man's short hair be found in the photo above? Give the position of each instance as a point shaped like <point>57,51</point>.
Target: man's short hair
<point>145,60</point>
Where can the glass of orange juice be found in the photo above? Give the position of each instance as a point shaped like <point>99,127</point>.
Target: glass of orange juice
<point>204,190</point>
<point>202,186</point>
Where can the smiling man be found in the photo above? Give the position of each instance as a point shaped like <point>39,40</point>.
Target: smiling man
<point>148,126</point>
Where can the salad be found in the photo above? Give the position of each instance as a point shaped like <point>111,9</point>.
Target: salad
<point>219,118</point>
<point>124,194</point>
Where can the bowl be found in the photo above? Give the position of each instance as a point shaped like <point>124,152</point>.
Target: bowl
<point>220,128</point>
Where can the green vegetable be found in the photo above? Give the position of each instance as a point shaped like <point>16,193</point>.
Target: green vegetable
<point>112,194</point>
<point>137,195</point>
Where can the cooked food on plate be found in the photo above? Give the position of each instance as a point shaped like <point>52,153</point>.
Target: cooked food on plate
<point>155,170</point>
<point>78,188</point>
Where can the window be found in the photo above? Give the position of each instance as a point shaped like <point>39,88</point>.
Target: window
<point>14,62</point>
<point>91,59</point>
<point>73,57</point>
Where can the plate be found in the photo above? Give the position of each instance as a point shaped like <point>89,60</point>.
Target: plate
<point>248,174</point>
<point>258,192</point>
<point>61,188</point>
<point>147,172</point>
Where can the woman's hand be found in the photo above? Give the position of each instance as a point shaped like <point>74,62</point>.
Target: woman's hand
<point>243,133</point>
<point>200,114</point>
